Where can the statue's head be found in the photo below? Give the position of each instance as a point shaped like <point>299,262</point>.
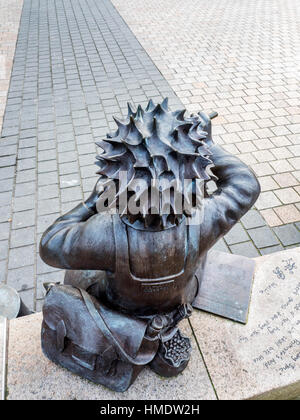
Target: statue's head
<point>158,160</point>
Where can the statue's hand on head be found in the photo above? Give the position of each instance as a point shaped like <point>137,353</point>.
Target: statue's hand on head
<point>207,126</point>
<point>93,198</point>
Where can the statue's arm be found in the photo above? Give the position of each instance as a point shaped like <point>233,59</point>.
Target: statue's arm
<point>238,189</point>
<point>79,241</point>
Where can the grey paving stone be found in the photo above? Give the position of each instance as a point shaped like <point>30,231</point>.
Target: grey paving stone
<point>253,220</point>
<point>27,152</point>
<point>49,146</point>
<point>7,172</point>
<point>46,155</point>
<point>246,249</point>
<point>263,237</point>
<point>26,143</point>
<point>5,213</point>
<point>26,164</point>
<point>7,150</point>
<point>47,178</point>
<point>6,185</point>
<point>48,191</point>
<point>5,198</point>
<point>47,166</point>
<point>7,161</point>
<point>292,246</point>
<point>22,236</point>
<point>66,207</point>
<point>24,203</point>
<point>69,180</point>
<point>71,194</point>
<point>3,249</point>
<point>236,235</point>
<point>89,183</point>
<point>68,168</point>
<point>26,188</point>
<point>23,219</point>
<point>84,149</point>
<point>65,157</point>
<point>21,257</point>
<point>288,235</point>
<point>66,146</point>
<point>4,230</point>
<point>9,131</point>
<point>46,135</point>
<point>220,246</point>
<point>25,176</point>
<point>21,278</point>
<point>271,250</point>
<point>2,271</point>
<point>48,206</point>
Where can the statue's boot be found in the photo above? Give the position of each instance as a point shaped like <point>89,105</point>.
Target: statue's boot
<point>174,350</point>
<point>173,356</point>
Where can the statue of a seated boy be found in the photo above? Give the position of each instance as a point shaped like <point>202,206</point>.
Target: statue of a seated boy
<point>139,243</point>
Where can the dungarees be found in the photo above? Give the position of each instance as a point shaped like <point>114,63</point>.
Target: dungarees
<point>149,296</point>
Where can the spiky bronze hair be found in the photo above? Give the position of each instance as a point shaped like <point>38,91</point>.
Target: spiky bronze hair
<point>155,144</point>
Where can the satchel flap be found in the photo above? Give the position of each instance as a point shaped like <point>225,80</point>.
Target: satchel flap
<point>83,357</point>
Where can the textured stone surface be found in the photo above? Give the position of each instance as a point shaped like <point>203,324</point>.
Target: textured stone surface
<point>32,376</point>
<point>261,359</point>
<point>253,84</point>
<point>10,12</point>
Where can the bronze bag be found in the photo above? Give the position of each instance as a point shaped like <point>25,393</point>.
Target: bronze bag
<point>93,340</point>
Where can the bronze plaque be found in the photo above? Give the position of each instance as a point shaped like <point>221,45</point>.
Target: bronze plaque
<point>226,286</point>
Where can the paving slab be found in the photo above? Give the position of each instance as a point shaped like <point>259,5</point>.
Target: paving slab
<point>260,360</point>
<point>31,376</point>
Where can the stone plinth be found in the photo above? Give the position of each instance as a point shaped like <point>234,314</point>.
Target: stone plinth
<point>32,376</point>
<point>261,359</point>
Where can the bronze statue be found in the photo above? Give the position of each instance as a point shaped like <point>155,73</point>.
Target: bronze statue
<point>131,272</point>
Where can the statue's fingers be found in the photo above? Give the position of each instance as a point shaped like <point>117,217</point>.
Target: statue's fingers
<point>204,117</point>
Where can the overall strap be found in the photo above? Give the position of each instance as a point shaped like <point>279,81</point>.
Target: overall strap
<point>121,246</point>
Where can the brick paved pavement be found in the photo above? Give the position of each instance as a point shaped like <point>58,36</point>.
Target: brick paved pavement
<point>76,64</point>
<point>10,12</point>
<point>241,58</point>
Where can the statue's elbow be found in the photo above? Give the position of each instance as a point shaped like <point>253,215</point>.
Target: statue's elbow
<point>48,252</point>
<point>255,189</point>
